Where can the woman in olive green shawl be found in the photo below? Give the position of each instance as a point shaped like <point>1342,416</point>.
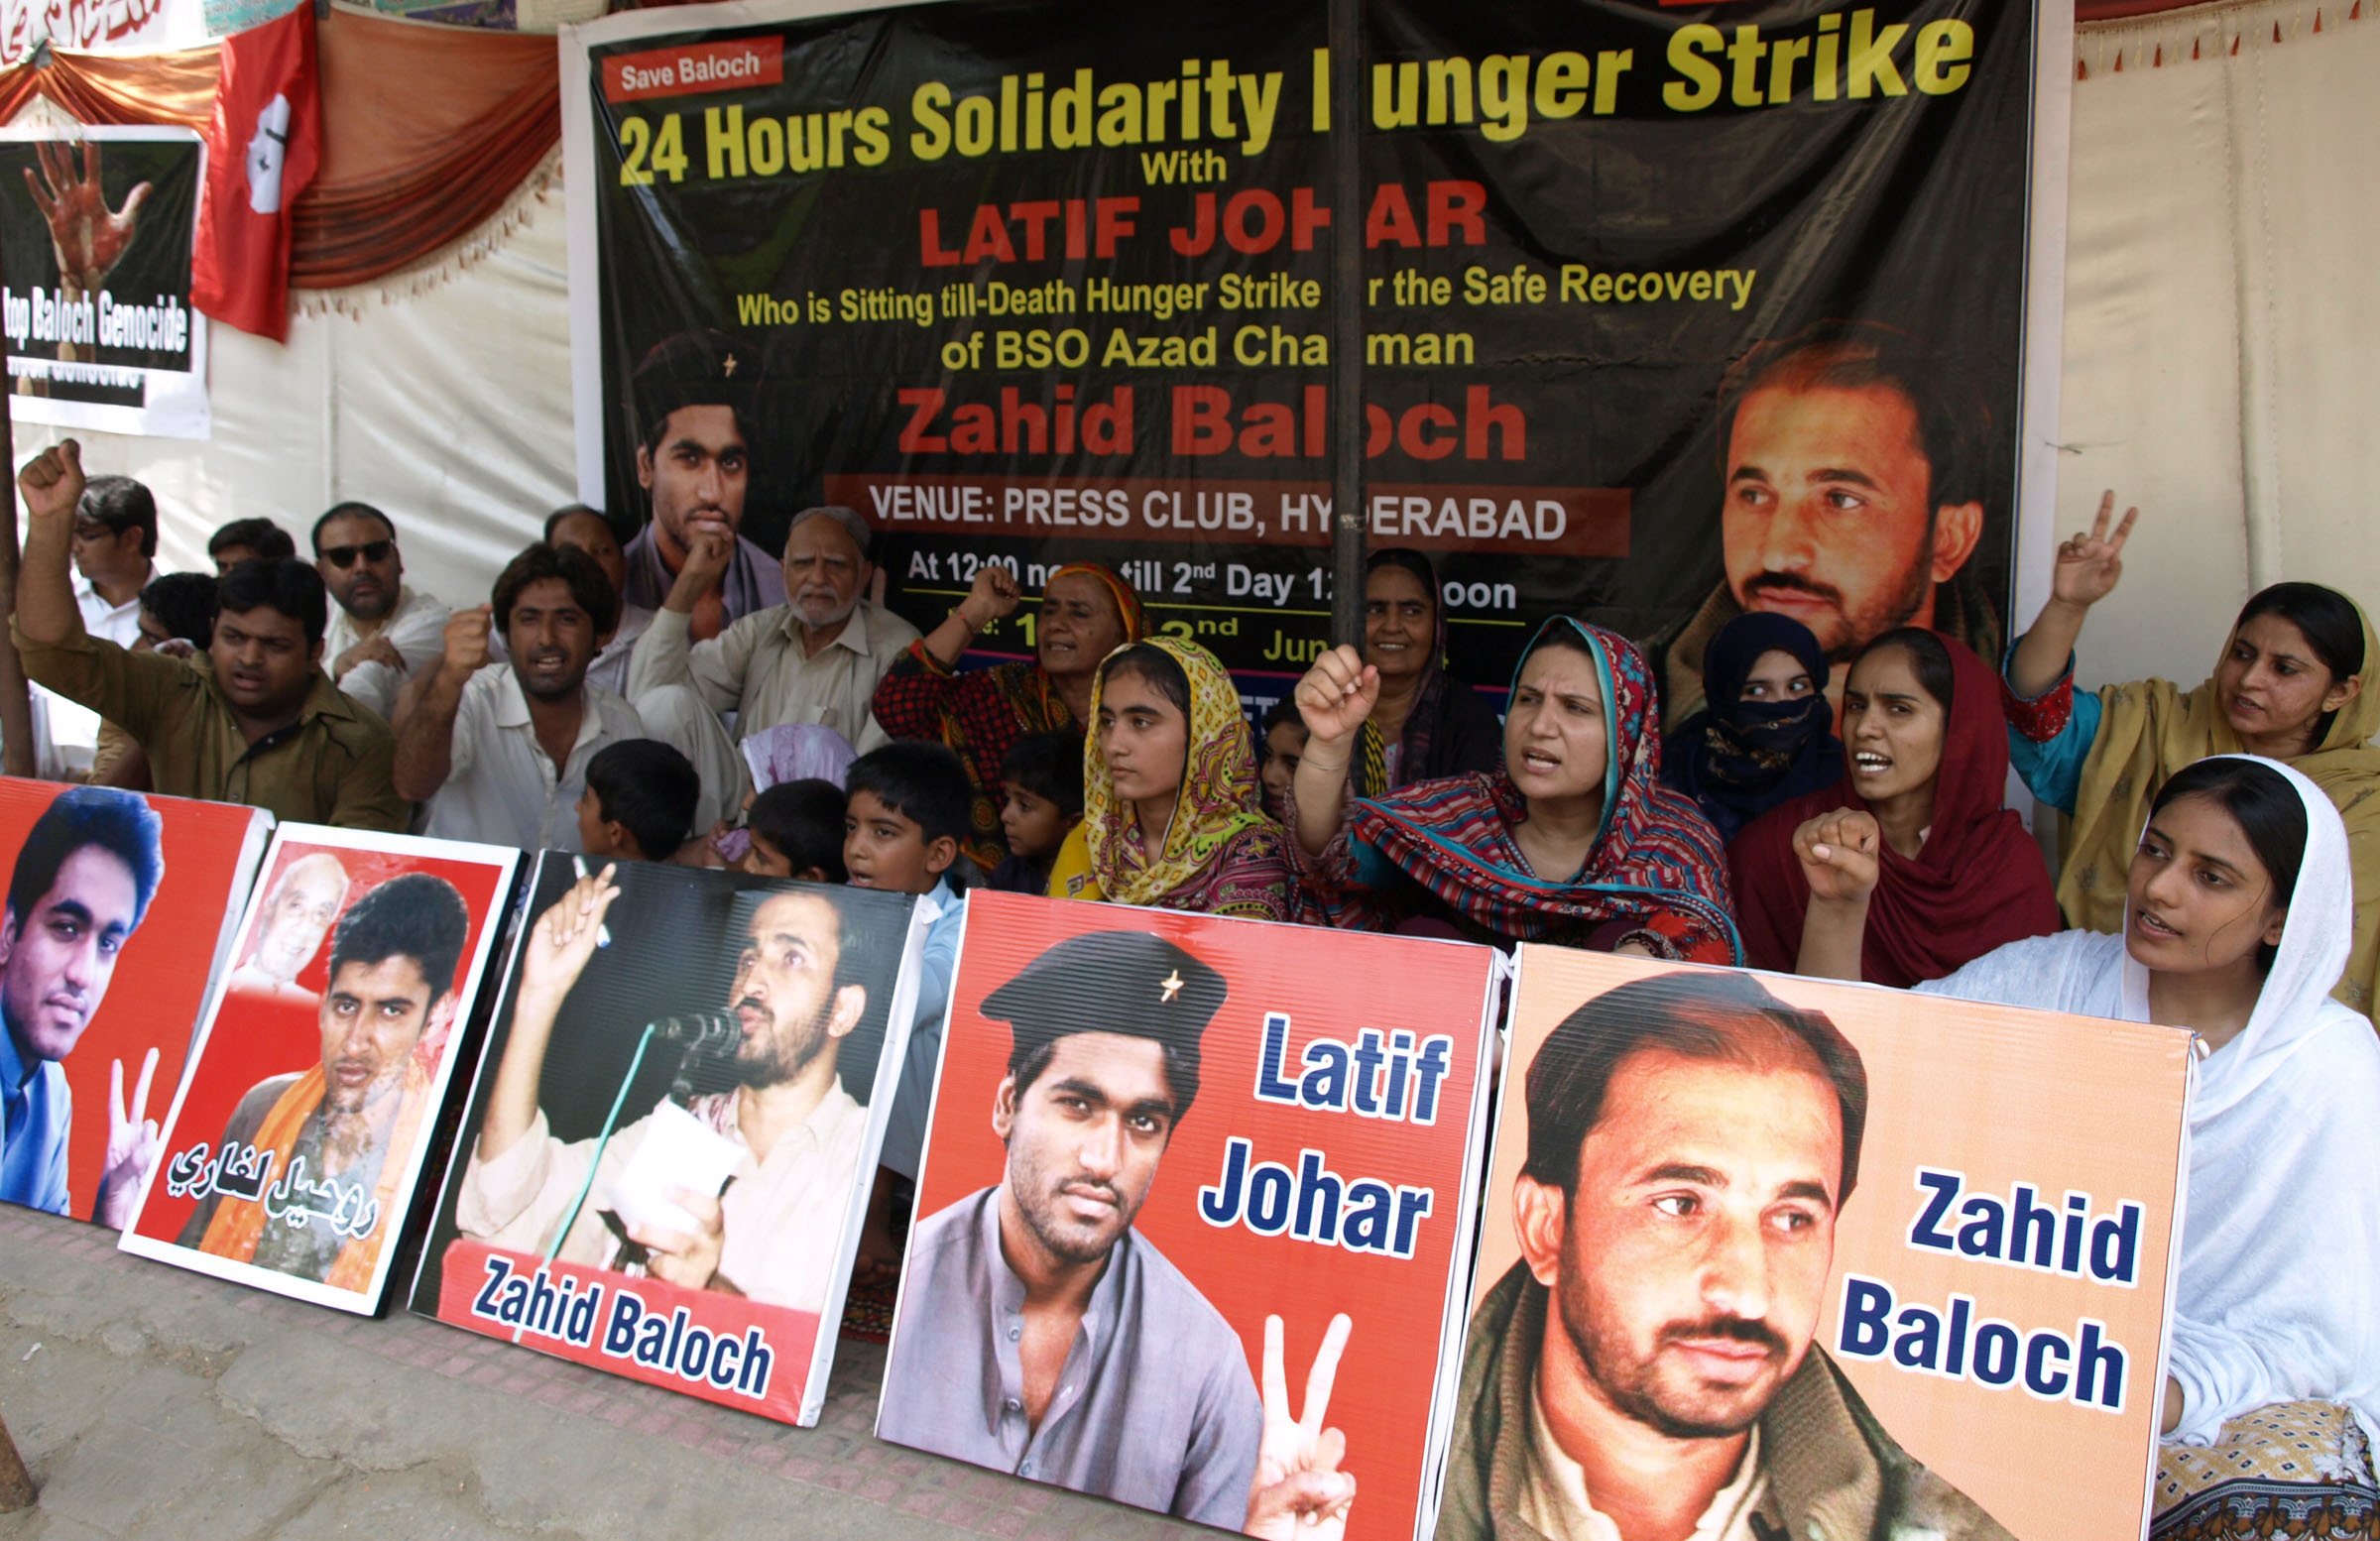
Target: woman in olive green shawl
<point>2289,685</point>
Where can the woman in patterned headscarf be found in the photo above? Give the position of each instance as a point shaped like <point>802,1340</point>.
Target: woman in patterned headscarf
<point>1087,612</point>
<point>1575,840</point>
<point>1170,817</point>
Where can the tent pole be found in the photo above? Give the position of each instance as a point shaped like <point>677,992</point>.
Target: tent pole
<point>1346,321</point>
<point>16,707</point>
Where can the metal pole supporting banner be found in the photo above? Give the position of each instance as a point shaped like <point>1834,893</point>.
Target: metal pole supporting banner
<point>16,707</point>
<point>1346,321</point>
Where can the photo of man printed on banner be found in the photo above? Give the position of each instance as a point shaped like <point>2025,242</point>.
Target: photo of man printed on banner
<point>1647,1366</point>
<point>294,1145</point>
<point>118,909</point>
<point>310,1160</point>
<point>693,407</point>
<point>82,884</point>
<point>1040,1332</point>
<point>738,1148</point>
<point>673,1127</point>
<point>298,909</point>
<point>1855,483</point>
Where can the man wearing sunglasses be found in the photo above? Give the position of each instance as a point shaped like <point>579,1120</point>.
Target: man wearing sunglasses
<point>383,631</point>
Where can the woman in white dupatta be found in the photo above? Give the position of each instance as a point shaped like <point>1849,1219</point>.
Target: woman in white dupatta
<point>2238,917</point>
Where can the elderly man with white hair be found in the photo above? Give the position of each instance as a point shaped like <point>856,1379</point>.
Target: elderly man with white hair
<point>816,659</point>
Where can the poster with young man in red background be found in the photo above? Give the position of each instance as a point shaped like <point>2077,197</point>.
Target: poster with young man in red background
<point>293,1149</point>
<point>119,907</point>
<point>1177,1165</point>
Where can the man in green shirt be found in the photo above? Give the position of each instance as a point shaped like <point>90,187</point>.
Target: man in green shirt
<point>255,720</point>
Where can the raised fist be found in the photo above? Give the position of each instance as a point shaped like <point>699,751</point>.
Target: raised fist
<point>1338,694</point>
<point>1840,854</point>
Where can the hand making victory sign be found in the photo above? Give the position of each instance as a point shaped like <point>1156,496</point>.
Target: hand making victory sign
<point>559,946</point>
<point>1299,1490</point>
<point>90,239</point>
<point>2091,564</point>
<point>2088,568</point>
<point>133,1143</point>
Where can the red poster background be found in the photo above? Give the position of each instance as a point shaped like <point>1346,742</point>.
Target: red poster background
<point>251,1039</point>
<point>1333,984</point>
<point>463,1273</point>
<point>161,978</point>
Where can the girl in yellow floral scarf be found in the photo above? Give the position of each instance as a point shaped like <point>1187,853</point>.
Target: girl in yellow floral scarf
<point>1170,816</point>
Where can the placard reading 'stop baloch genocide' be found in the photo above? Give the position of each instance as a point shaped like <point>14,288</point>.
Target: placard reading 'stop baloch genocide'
<point>1195,1195</point>
<point>1853,1262</point>
<point>1041,281</point>
<point>96,225</point>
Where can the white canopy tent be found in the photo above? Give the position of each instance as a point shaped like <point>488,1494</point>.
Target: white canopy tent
<point>2221,354</point>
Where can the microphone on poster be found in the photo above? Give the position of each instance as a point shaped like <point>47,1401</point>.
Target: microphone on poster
<point>694,1157</point>
<point>703,1032</point>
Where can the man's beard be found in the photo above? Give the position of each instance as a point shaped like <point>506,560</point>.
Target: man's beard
<point>1852,630</point>
<point>1038,1197</point>
<point>374,609</point>
<point>820,609</point>
<point>783,1063</point>
<point>1636,1385</point>
<point>349,1132</point>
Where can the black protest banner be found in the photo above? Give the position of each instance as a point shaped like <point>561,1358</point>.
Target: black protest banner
<point>1038,282</point>
<point>95,227</point>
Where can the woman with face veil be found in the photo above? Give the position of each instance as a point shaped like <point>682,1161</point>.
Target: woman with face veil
<point>1765,732</point>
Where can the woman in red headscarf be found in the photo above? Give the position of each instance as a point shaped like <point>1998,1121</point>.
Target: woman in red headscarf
<point>1927,749</point>
<point>1087,612</point>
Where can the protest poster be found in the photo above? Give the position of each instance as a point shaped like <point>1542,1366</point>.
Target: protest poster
<point>1913,1252</point>
<point>99,25</point>
<point>95,232</point>
<point>120,911</point>
<point>296,1140</point>
<point>1220,1155</point>
<point>669,1144</point>
<point>1038,281</point>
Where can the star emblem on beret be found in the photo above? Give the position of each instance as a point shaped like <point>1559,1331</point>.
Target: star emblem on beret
<point>1171,986</point>
<point>729,367</point>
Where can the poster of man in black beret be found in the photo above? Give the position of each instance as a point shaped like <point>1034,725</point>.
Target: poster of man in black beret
<point>1175,1171</point>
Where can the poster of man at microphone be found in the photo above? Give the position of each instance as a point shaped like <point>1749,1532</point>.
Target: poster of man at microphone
<point>673,1127</point>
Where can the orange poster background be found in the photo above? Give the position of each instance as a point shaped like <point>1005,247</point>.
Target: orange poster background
<point>160,984</point>
<point>1332,985</point>
<point>2004,1096</point>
